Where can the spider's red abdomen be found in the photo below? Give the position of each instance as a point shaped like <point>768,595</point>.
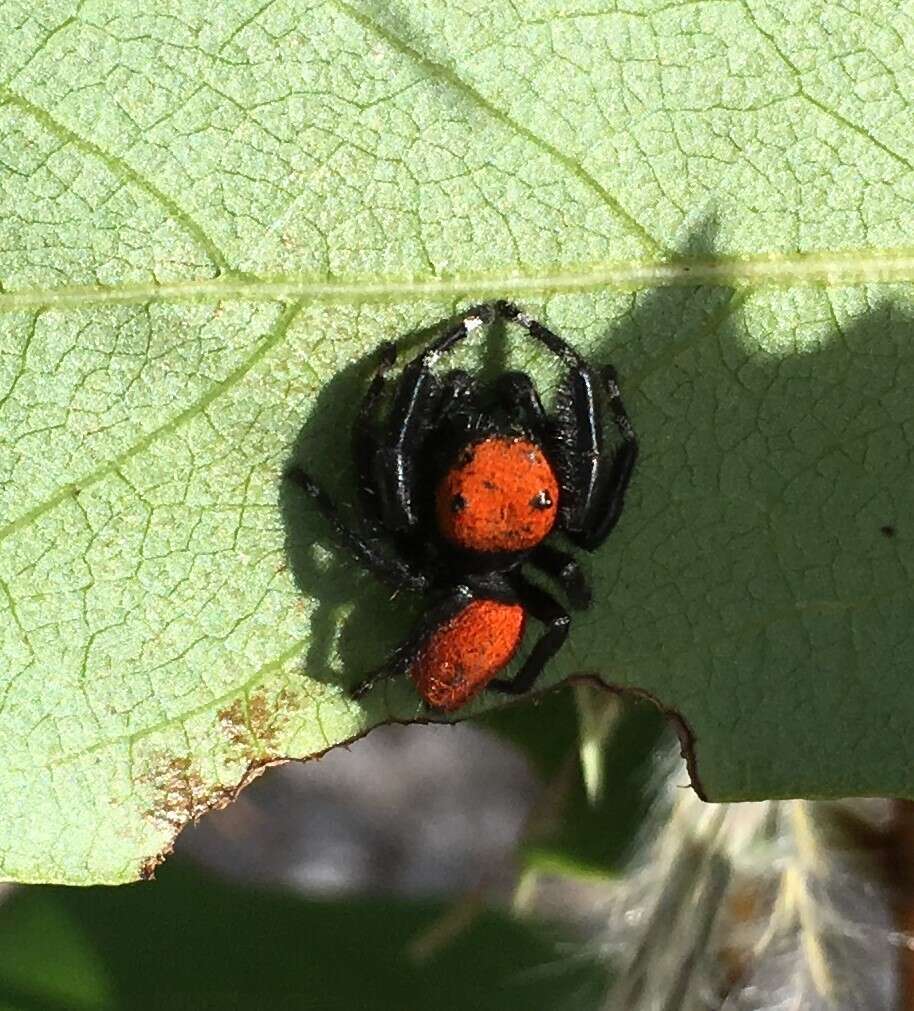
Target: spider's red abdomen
<point>501,495</point>
<point>462,656</point>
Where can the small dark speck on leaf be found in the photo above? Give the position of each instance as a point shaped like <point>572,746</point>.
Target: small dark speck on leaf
<point>888,531</point>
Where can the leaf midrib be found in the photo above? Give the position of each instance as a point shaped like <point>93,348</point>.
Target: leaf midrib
<point>743,274</point>
<point>826,267</point>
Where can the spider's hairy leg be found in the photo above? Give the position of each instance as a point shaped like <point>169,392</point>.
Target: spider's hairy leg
<point>597,487</point>
<point>576,432</point>
<point>546,609</point>
<point>510,312</point>
<point>366,550</point>
<point>364,438</point>
<point>606,505</point>
<point>416,408</point>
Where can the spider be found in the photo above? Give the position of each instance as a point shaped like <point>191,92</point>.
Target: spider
<point>461,486</point>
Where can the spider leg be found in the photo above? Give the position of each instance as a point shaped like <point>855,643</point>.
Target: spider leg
<point>546,609</point>
<point>415,408</point>
<point>364,440</point>
<point>509,311</point>
<point>403,657</point>
<point>563,568</point>
<point>366,550</point>
<point>605,506</point>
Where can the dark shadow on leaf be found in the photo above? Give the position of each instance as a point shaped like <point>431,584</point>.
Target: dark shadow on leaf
<point>773,611</point>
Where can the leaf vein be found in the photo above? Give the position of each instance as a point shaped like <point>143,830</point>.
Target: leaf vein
<point>68,491</point>
<point>121,171</point>
<point>838,117</point>
<point>843,267</point>
<point>449,77</point>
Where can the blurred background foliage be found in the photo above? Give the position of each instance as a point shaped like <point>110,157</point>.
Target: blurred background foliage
<point>547,856</point>
<point>394,874</point>
<point>193,941</point>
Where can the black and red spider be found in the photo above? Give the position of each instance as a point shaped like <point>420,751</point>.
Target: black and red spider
<point>461,485</point>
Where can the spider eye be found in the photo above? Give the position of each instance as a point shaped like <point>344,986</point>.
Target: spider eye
<point>542,500</point>
<point>458,504</point>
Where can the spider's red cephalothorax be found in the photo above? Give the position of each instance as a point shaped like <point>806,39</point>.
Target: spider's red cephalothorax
<point>466,484</point>
<point>500,495</point>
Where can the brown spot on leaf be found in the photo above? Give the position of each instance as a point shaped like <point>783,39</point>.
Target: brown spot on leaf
<point>180,794</point>
<point>257,727</point>
<point>234,723</point>
<point>266,717</point>
<point>148,867</point>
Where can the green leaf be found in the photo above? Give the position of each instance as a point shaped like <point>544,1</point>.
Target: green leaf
<point>208,218</point>
<point>191,941</point>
